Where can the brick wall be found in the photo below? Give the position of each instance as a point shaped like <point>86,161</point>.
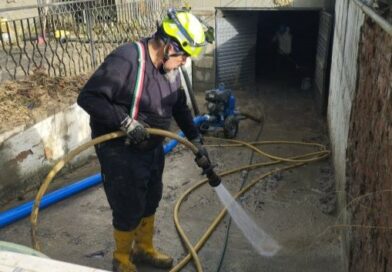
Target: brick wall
<point>369,155</point>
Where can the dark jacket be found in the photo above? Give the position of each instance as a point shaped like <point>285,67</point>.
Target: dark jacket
<point>107,96</point>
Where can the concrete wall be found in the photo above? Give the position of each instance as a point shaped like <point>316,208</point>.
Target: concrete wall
<point>369,154</point>
<point>18,14</point>
<point>27,156</point>
<point>348,22</point>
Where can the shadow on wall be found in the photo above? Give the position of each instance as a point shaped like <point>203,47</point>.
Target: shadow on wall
<point>247,71</point>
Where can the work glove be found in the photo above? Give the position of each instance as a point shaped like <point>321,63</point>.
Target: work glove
<point>202,159</point>
<point>135,130</point>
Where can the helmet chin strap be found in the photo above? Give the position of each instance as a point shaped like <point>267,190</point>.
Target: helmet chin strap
<point>162,69</point>
<point>165,53</point>
<point>165,58</point>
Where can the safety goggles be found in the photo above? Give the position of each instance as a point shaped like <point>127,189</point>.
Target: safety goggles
<point>177,50</point>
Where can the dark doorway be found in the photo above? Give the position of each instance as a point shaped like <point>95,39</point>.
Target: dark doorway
<point>300,63</point>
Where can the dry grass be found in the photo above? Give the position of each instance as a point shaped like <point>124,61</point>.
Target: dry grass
<point>34,98</point>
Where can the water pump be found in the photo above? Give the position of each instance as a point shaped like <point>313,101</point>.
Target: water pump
<point>221,112</point>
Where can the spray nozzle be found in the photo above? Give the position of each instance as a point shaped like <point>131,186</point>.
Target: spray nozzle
<point>213,179</point>
<point>208,169</point>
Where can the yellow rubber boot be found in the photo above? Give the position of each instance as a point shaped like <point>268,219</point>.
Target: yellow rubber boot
<point>144,250</point>
<point>122,255</point>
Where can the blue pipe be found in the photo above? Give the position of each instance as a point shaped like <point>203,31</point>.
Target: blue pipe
<point>173,143</point>
<point>9,216</point>
<point>167,148</point>
<point>21,211</point>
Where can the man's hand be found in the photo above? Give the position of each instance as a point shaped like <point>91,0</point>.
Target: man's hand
<point>202,158</point>
<point>135,131</point>
<point>203,161</point>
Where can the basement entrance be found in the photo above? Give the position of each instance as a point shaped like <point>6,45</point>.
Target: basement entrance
<point>247,49</point>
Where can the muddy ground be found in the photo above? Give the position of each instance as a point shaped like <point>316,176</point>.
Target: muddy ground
<point>295,207</point>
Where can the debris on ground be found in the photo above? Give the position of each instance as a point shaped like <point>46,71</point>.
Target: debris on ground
<point>327,200</point>
<point>272,182</point>
<point>97,254</point>
<point>29,100</point>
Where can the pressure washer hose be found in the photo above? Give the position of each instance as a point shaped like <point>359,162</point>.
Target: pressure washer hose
<point>297,161</point>
<point>199,244</point>
<point>60,164</point>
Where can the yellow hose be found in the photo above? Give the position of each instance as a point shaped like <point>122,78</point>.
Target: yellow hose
<point>252,117</point>
<point>299,160</point>
<point>60,164</point>
<point>260,152</point>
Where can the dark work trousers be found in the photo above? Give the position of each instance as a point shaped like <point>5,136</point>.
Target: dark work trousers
<point>132,180</point>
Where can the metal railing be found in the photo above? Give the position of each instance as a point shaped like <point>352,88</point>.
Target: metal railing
<point>73,37</point>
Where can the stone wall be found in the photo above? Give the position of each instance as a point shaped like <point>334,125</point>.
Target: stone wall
<point>360,121</point>
<point>369,155</point>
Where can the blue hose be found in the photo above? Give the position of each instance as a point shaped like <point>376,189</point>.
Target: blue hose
<point>21,211</point>
<point>173,143</point>
<point>9,216</point>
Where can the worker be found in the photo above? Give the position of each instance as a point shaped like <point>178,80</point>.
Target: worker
<point>283,39</point>
<point>132,169</point>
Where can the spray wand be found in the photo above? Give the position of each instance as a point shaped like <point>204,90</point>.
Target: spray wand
<point>208,169</point>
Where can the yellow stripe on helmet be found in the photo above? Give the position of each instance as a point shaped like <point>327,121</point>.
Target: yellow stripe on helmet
<point>194,29</point>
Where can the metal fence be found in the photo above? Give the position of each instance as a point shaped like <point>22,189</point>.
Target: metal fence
<point>70,38</point>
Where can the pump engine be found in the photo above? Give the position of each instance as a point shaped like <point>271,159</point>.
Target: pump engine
<point>221,112</point>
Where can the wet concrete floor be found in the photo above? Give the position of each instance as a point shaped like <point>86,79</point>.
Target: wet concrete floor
<point>288,206</point>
